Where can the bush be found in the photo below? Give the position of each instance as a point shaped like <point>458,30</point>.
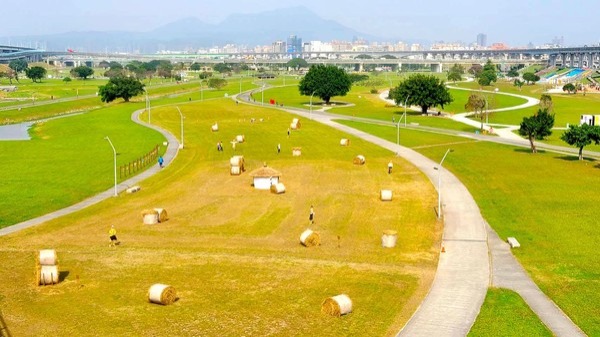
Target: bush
<point>374,91</point>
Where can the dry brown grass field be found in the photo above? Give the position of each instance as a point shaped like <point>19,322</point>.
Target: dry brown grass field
<point>233,252</point>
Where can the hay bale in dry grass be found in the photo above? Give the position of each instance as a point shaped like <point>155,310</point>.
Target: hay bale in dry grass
<point>47,275</point>
<point>386,195</point>
<point>309,238</point>
<point>235,171</point>
<point>297,151</point>
<point>237,161</point>
<point>162,294</point>
<point>278,188</point>
<point>240,138</point>
<point>214,127</point>
<point>162,214</point>
<point>337,305</point>
<point>359,160</point>
<point>295,125</point>
<point>345,142</point>
<point>47,257</point>
<point>150,217</point>
<point>389,238</point>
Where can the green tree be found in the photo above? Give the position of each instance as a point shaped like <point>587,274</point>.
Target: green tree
<point>537,127</point>
<point>36,73</point>
<point>217,83</point>
<point>104,64</point>
<point>476,103</point>
<point>363,57</point>
<point>110,73</point>
<point>488,74</point>
<point>18,66</point>
<point>546,103</point>
<point>297,63</point>
<point>581,135</point>
<point>67,79</point>
<point>204,75</point>
<point>82,72</point>
<point>570,88</point>
<point>354,78</point>
<point>325,81</point>
<point>476,70</point>
<point>422,90</point>
<point>195,66</point>
<point>120,87</point>
<point>222,68</point>
<point>454,76</point>
<point>455,73</point>
<point>115,65</point>
<point>513,72</point>
<point>531,78</point>
<point>518,83</point>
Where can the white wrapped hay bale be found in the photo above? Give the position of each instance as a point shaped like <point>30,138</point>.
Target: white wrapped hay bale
<point>337,305</point>
<point>308,238</point>
<point>359,160</point>
<point>47,257</point>
<point>295,125</point>
<point>235,171</point>
<point>237,161</point>
<point>278,188</point>
<point>214,127</point>
<point>297,151</point>
<point>150,217</point>
<point>345,142</point>
<point>389,238</point>
<point>386,195</point>
<point>162,214</point>
<point>240,138</point>
<point>47,275</point>
<point>162,294</point>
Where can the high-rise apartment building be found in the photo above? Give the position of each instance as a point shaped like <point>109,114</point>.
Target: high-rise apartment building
<point>482,40</point>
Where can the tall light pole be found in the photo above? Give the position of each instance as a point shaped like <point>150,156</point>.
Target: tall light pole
<point>439,168</point>
<point>181,115</point>
<point>311,96</point>
<point>115,161</point>
<point>405,102</point>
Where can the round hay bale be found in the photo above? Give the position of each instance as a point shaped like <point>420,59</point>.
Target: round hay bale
<point>359,160</point>
<point>337,305</point>
<point>389,238</point>
<point>150,217</point>
<point>386,195</point>
<point>47,257</point>
<point>294,126</point>
<point>236,161</point>
<point>278,188</point>
<point>162,294</point>
<point>47,275</point>
<point>240,138</point>
<point>214,128</point>
<point>345,142</point>
<point>235,171</point>
<point>297,151</point>
<point>309,238</point>
<point>162,214</point>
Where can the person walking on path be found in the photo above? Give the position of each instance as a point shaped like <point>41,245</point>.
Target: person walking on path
<point>278,148</point>
<point>160,161</point>
<point>112,233</point>
<point>311,215</point>
<point>390,166</point>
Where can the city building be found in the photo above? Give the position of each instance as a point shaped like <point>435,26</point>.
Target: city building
<point>294,45</point>
<point>482,40</point>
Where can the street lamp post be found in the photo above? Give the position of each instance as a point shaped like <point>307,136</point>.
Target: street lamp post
<point>115,161</point>
<point>439,168</point>
<point>311,96</point>
<point>181,115</point>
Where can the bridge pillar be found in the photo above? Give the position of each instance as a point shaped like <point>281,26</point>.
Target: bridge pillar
<point>361,67</point>
<point>399,66</point>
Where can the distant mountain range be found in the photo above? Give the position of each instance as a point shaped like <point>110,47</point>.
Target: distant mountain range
<point>191,33</point>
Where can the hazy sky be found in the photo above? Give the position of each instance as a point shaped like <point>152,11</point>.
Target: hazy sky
<point>515,22</point>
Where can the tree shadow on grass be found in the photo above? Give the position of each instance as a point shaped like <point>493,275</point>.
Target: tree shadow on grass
<point>576,158</point>
<point>524,150</point>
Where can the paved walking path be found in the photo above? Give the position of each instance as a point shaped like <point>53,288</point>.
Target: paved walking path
<point>170,154</point>
<point>474,259</point>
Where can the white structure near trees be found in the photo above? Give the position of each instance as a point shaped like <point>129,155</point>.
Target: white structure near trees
<point>264,177</point>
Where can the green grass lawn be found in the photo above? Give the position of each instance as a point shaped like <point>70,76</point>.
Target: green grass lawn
<point>232,252</point>
<point>505,313</point>
<point>547,201</point>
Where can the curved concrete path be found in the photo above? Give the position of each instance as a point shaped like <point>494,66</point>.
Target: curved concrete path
<point>475,257</point>
<point>170,154</point>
